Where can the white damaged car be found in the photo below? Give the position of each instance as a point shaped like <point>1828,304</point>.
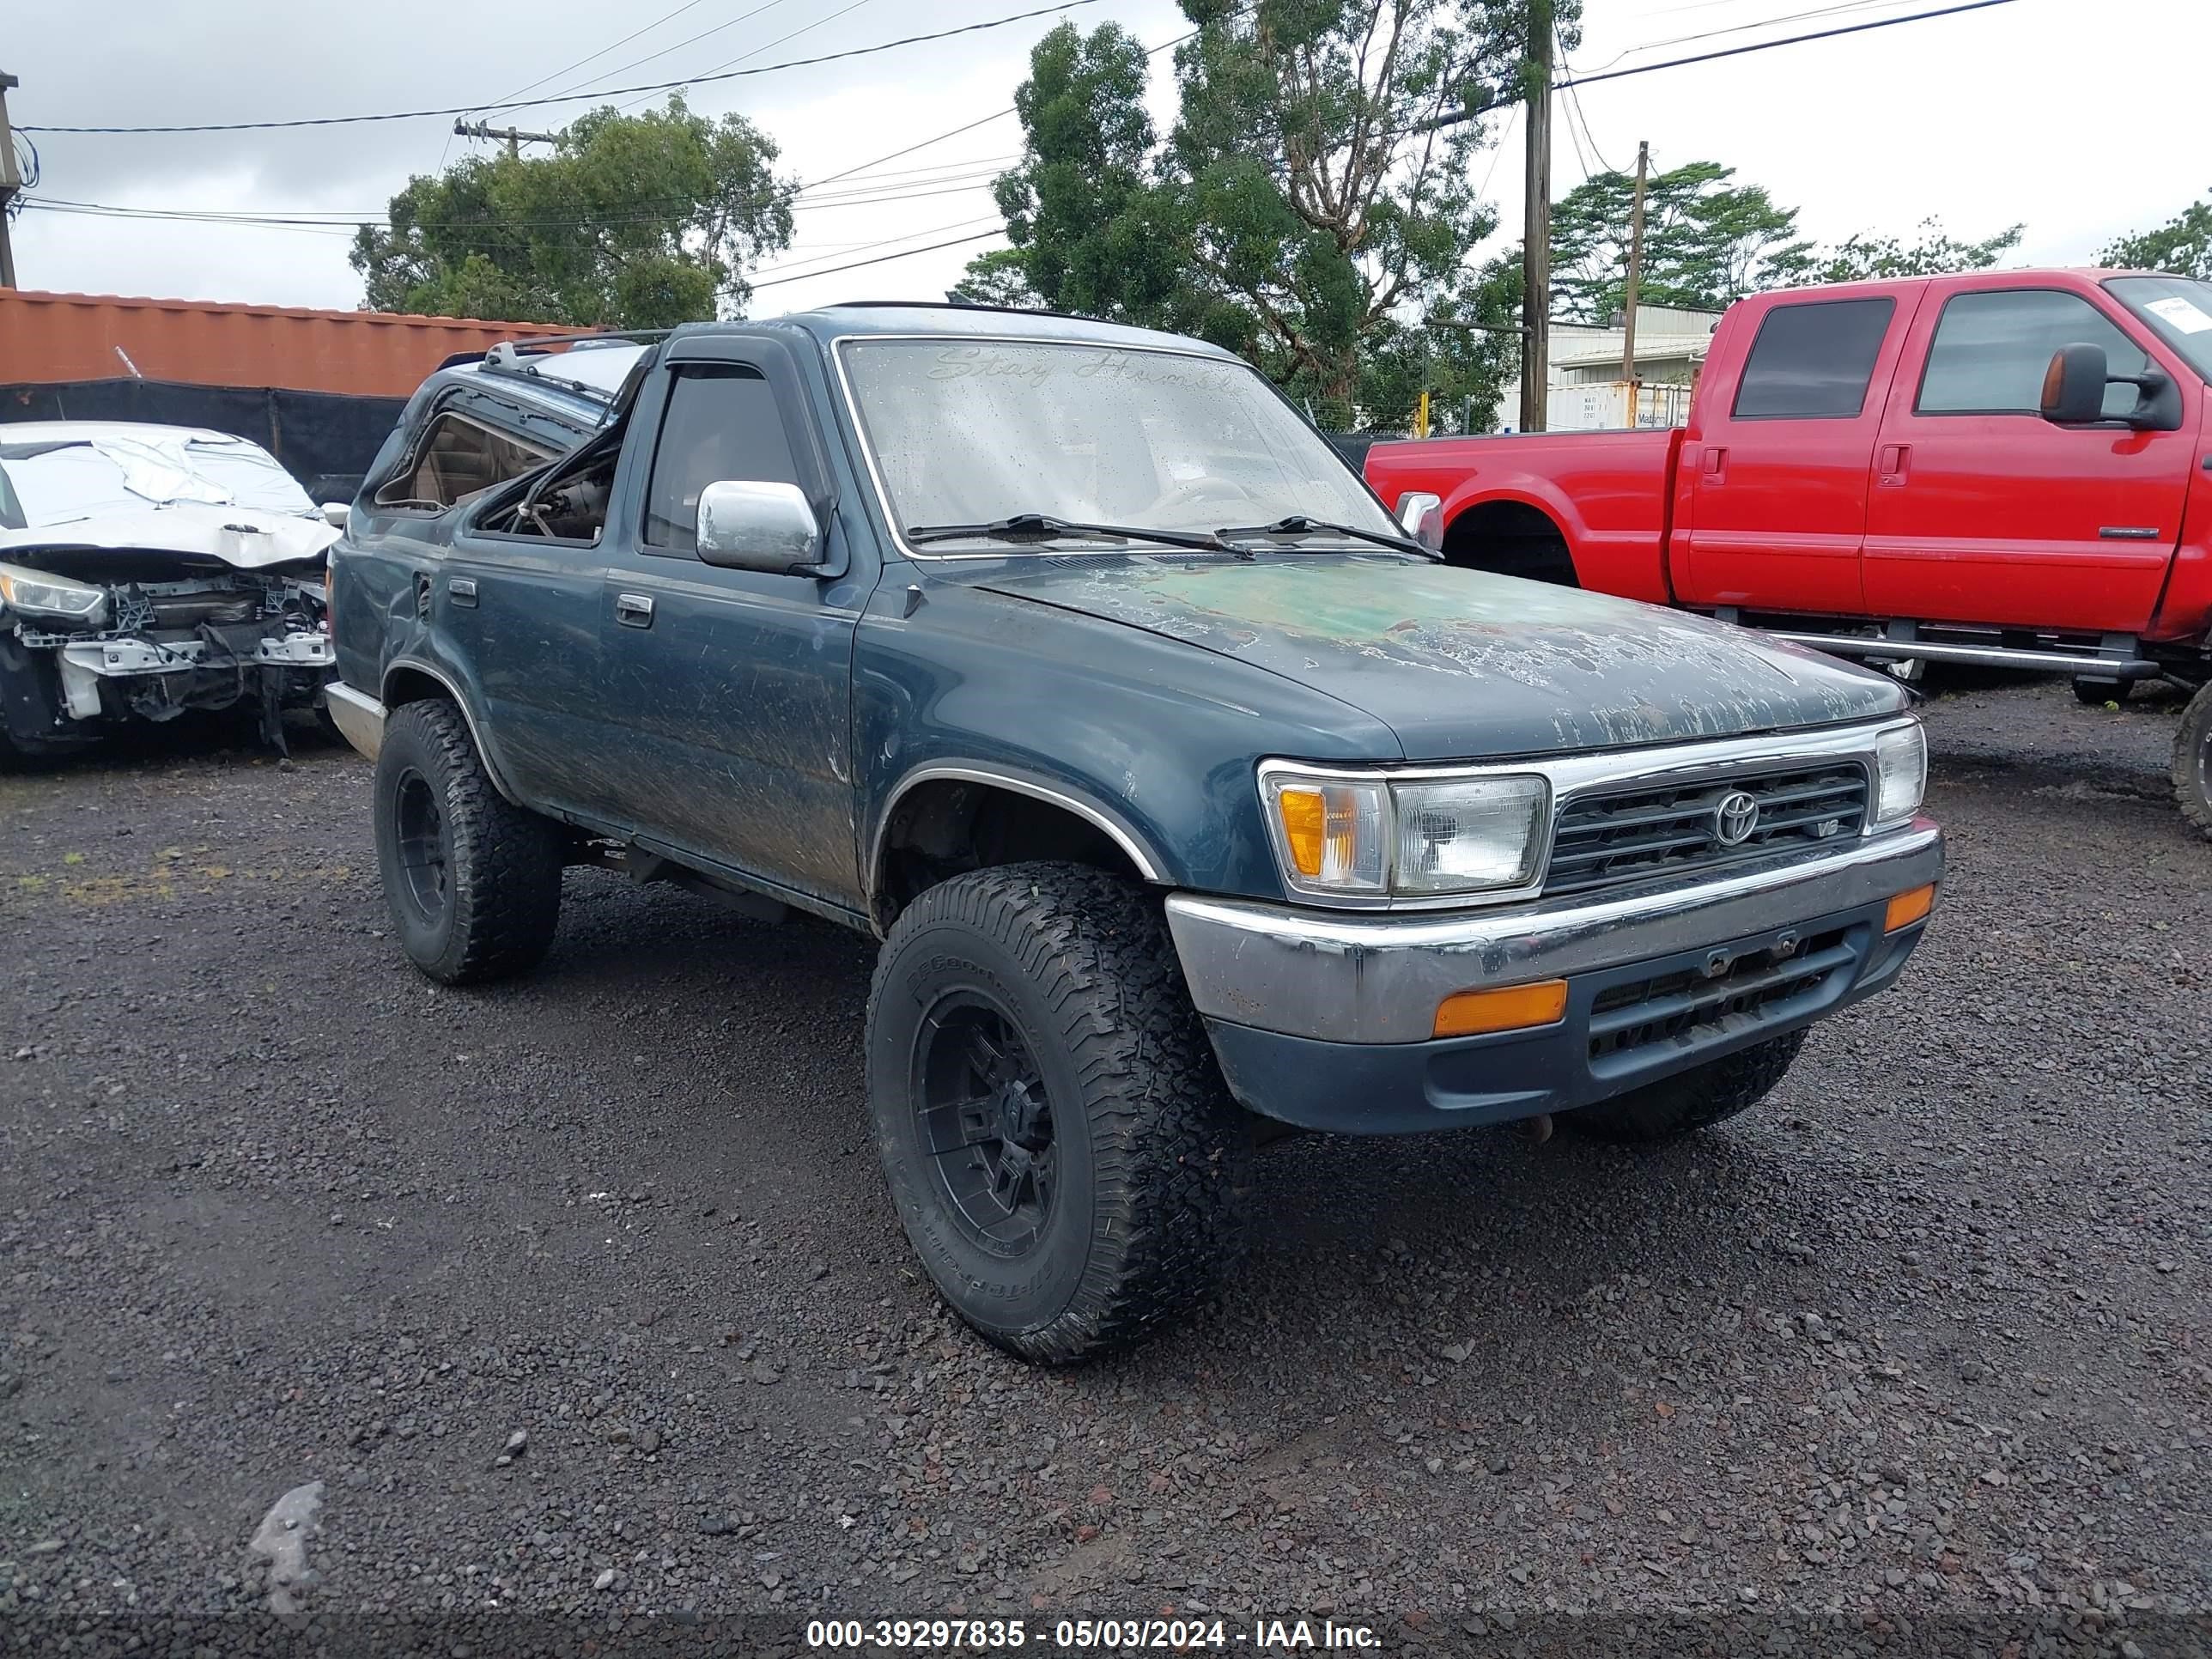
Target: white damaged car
<point>146,570</point>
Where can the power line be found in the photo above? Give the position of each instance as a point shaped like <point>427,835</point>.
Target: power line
<point>1791,41</point>
<point>957,241</point>
<point>1745,29</point>
<point>792,270</point>
<point>625,68</point>
<point>601,92</point>
<point>746,58</point>
<point>665,18</point>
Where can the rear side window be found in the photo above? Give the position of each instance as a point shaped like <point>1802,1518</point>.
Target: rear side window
<point>1991,350</point>
<point>722,422</point>
<point>1812,363</point>
<point>460,459</point>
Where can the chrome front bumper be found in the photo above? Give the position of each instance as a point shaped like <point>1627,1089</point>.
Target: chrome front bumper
<point>1378,979</point>
<point>357,715</point>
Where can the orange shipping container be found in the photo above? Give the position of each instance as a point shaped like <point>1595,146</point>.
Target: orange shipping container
<point>47,337</point>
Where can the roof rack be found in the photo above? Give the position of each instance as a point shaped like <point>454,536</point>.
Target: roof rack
<point>965,305</point>
<point>536,345</point>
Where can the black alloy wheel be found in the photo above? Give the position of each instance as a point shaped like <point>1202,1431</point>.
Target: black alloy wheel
<point>985,1119</point>
<point>425,850</point>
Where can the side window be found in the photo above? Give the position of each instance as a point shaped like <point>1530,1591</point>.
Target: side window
<point>1990,351</point>
<point>458,460</point>
<point>1812,363</point>
<point>722,422</point>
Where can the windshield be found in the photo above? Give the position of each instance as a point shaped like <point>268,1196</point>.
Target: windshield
<point>2178,310</point>
<point>970,432</point>
<point>53,476</point>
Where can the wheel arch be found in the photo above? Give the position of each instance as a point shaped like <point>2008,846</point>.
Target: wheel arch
<point>409,679</point>
<point>975,815</point>
<point>1537,537</point>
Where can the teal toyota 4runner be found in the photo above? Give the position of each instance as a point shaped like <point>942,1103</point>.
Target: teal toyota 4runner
<point>1189,795</point>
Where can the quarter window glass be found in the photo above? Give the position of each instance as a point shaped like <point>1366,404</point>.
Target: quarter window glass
<point>1991,351</point>
<point>722,422</point>
<point>460,461</point>
<point>1813,362</point>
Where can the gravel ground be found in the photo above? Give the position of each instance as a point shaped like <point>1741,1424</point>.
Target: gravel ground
<point>582,1298</point>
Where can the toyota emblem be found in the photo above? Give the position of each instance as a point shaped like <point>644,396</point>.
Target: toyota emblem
<point>1735,818</point>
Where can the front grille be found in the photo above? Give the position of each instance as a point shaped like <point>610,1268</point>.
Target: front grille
<point>1687,1004</point>
<point>1607,839</point>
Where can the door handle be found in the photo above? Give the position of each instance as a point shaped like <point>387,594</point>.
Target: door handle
<point>1893,463</point>
<point>634,609</point>
<point>1715,461</point>
<point>462,590</point>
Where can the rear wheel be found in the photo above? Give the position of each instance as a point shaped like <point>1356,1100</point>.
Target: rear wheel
<point>2097,693</point>
<point>1696,1099</point>
<point>473,881</point>
<point>1063,1153</point>
<point>2192,763</point>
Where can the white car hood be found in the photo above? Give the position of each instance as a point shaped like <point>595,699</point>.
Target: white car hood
<point>239,537</point>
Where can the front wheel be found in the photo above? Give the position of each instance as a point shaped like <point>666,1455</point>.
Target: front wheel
<point>2192,763</point>
<point>473,882</point>
<point>1690,1101</point>
<point>1055,1134</point>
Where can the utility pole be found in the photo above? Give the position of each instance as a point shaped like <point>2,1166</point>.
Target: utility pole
<point>515,140</point>
<point>11,183</point>
<point>1635,275</point>
<point>1536,229</point>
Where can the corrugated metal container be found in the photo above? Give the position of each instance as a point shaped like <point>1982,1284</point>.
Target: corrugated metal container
<point>46,337</point>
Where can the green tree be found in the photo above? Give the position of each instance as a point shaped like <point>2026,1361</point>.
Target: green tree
<point>1309,207</point>
<point>2183,245</point>
<point>1000,277</point>
<point>1707,242</point>
<point>634,221</point>
<point>1867,257</point>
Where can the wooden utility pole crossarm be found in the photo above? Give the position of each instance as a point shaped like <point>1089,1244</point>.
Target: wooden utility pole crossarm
<point>515,140</point>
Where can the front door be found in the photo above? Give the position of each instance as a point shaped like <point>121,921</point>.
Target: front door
<point>734,684</point>
<point>1780,480</point>
<point>1983,512</point>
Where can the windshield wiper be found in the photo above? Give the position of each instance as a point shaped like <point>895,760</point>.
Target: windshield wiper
<point>1043,527</point>
<point>1298,525</point>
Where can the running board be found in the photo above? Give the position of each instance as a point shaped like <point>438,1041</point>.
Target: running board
<point>1995,656</point>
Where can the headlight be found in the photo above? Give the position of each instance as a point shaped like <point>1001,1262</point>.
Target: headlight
<point>1900,769</point>
<point>1371,838</point>
<point>35,593</point>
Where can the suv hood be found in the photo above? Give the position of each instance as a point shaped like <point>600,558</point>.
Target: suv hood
<point>244,538</point>
<point>1462,664</point>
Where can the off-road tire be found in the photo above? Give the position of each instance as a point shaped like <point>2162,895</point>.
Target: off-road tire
<point>1697,1099</point>
<point>1152,1189</point>
<point>2192,763</point>
<point>500,895</point>
<point>2097,693</point>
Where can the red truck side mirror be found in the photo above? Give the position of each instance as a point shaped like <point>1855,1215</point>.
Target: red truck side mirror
<point>2073,391</point>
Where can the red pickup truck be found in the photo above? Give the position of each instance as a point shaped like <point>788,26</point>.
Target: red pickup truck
<point>2007,467</point>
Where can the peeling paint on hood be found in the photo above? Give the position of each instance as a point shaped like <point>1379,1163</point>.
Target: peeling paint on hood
<point>1461,664</point>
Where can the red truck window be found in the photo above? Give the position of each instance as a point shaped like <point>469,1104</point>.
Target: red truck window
<point>1991,349</point>
<point>1812,363</point>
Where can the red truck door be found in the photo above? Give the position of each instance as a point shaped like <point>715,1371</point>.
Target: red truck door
<point>1983,512</point>
<point>1781,441</point>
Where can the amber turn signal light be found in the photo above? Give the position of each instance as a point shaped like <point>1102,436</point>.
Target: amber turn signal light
<point>1511,1008</point>
<point>1908,908</point>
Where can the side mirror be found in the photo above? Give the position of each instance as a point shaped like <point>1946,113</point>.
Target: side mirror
<point>1421,516</point>
<point>744,524</point>
<point>337,513</point>
<point>2073,391</point>
<point>2074,385</point>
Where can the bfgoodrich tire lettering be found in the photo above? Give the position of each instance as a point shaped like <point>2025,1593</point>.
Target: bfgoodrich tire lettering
<point>473,882</point>
<point>1150,1159</point>
<point>1692,1100</point>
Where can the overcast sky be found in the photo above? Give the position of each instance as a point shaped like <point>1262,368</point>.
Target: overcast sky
<point>2081,120</point>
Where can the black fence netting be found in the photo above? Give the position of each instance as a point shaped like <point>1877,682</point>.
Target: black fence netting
<point>326,439</point>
